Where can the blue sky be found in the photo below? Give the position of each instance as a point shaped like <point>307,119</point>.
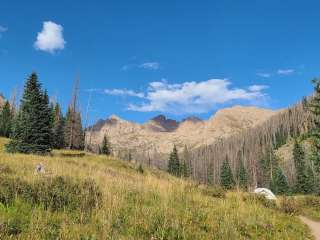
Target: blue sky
<point>142,58</point>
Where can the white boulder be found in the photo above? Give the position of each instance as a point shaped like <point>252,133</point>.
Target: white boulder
<point>266,192</point>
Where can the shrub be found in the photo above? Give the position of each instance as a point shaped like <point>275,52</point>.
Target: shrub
<point>59,193</point>
<point>56,193</point>
<point>140,169</point>
<point>289,205</point>
<point>260,199</point>
<point>12,187</point>
<point>14,219</point>
<point>4,169</point>
<point>216,192</point>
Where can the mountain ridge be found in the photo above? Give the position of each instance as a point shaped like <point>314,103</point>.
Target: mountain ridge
<point>159,134</point>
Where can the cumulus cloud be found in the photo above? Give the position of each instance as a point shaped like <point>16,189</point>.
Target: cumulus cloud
<point>264,75</point>
<point>150,65</point>
<point>50,39</point>
<point>190,97</point>
<point>285,71</point>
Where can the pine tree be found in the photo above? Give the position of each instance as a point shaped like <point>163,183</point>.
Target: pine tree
<point>279,183</point>
<point>32,129</point>
<point>6,118</point>
<point>174,164</point>
<point>185,166</point>
<point>267,166</point>
<point>226,176</point>
<point>74,136</point>
<point>105,148</point>
<point>309,181</point>
<point>242,176</point>
<point>314,107</point>
<point>299,162</point>
<point>210,175</point>
<point>58,127</point>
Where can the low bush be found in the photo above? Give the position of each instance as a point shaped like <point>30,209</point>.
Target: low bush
<point>289,205</point>
<point>4,169</point>
<point>261,199</point>
<point>56,193</point>
<point>216,192</point>
<point>11,187</point>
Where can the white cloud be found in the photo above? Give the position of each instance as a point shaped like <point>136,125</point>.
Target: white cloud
<point>150,65</point>
<point>264,75</point>
<point>257,88</point>
<point>285,71</point>
<point>123,92</point>
<point>190,97</point>
<point>50,38</point>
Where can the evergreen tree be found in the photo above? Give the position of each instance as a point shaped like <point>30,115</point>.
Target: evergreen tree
<point>314,107</point>
<point>226,176</point>
<point>267,166</point>
<point>58,127</point>
<point>174,164</point>
<point>279,183</point>
<point>6,118</point>
<point>210,175</point>
<point>310,181</point>
<point>105,148</point>
<point>186,165</point>
<point>242,176</point>
<point>299,162</point>
<point>74,135</point>
<point>32,128</point>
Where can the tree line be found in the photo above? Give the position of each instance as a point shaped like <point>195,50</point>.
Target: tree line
<point>38,125</point>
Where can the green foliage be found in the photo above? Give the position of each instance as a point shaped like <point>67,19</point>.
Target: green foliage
<point>174,167</point>
<point>302,179</point>
<point>32,128</point>
<point>314,107</point>
<point>55,194</point>
<point>74,135</point>
<point>242,176</point>
<point>14,219</point>
<point>260,199</point>
<point>267,166</point>
<point>6,119</point>
<point>58,127</point>
<point>289,205</point>
<point>279,183</point>
<point>140,169</point>
<point>186,163</point>
<point>214,191</point>
<point>106,147</point>
<point>226,176</point>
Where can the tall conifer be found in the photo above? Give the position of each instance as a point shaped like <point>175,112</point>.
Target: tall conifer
<point>6,118</point>
<point>32,128</point>
<point>226,176</point>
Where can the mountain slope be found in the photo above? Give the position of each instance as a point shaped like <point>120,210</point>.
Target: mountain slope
<point>158,135</point>
<point>132,205</point>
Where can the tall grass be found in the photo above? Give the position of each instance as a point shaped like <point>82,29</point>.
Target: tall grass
<point>134,204</point>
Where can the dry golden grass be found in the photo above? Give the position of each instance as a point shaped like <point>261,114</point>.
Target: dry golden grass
<point>149,205</point>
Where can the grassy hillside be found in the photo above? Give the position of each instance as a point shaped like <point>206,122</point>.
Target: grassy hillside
<point>104,198</point>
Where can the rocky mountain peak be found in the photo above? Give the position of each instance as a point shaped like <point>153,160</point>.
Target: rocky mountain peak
<point>164,123</point>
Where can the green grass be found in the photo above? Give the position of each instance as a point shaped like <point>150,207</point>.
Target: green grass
<point>134,204</point>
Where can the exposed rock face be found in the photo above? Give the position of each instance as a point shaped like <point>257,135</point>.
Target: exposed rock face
<point>158,135</point>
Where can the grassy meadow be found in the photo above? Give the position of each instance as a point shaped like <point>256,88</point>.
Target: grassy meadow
<point>84,196</point>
